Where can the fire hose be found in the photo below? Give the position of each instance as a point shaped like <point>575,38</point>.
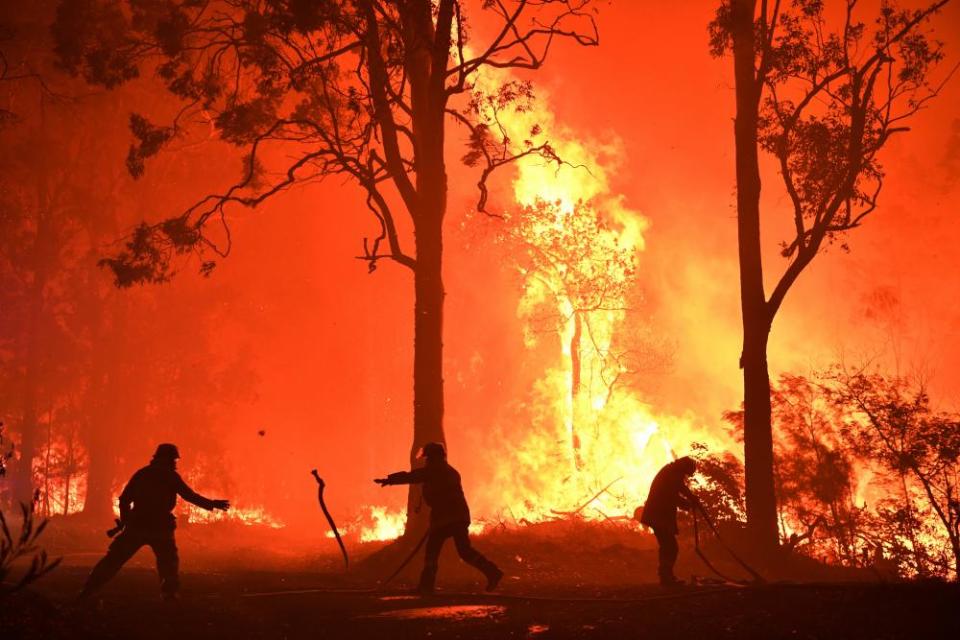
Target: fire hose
<point>757,578</point>
<point>406,560</point>
<point>326,512</point>
<point>323,506</point>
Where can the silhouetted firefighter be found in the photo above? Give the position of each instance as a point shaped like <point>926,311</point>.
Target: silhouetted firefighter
<point>667,492</point>
<point>146,519</point>
<point>449,515</point>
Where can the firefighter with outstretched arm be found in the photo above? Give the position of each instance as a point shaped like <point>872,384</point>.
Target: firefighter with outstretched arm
<point>449,515</point>
<point>146,518</point>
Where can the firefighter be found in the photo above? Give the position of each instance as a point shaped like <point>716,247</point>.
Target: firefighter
<point>668,491</point>
<point>146,519</point>
<point>449,515</point>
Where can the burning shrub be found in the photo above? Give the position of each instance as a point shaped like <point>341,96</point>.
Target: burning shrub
<point>892,425</point>
<point>719,484</point>
<point>816,474</point>
<point>867,473</point>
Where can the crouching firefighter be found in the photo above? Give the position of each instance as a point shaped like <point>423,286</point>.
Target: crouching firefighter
<point>668,491</point>
<point>449,515</point>
<point>146,519</point>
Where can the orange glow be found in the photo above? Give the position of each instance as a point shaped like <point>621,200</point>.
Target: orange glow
<point>291,356</point>
<point>242,515</point>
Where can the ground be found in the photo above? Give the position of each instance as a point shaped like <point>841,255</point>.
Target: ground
<point>558,586</point>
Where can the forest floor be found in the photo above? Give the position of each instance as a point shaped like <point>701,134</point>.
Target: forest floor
<point>564,580</point>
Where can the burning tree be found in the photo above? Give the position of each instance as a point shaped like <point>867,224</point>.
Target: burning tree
<point>893,424</point>
<point>41,230</point>
<point>823,102</point>
<point>360,89</point>
<point>582,272</point>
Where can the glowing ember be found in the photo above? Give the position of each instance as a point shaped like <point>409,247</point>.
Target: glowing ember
<point>452,613</point>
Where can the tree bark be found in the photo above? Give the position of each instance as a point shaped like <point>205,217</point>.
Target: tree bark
<point>758,438</point>
<point>427,355</point>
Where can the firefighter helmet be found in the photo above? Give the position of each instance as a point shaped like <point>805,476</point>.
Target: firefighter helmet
<point>686,464</point>
<point>433,450</point>
<point>166,451</point>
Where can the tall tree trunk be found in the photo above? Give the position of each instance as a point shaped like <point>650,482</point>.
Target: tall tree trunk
<point>72,467</point>
<point>98,502</point>
<point>46,467</point>
<point>104,417</point>
<point>428,294</point>
<point>918,560</point>
<point>106,407</point>
<point>427,355</point>
<point>955,544</point>
<point>955,547</point>
<point>576,373</point>
<point>758,439</point>
<point>23,480</point>
<point>67,481</point>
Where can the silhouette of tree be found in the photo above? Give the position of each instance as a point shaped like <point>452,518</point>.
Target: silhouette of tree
<point>80,361</point>
<point>360,90</point>
<point>25,58</point>
<point>40,228</point>
<point>822,98</point>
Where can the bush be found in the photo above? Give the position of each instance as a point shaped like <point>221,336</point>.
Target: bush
<point>26,545</point>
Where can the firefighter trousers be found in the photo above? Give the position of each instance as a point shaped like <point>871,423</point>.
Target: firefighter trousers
<point>125,545</point>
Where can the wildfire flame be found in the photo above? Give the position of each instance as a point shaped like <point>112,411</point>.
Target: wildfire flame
<point>386,525</point>
<point>249,516</point>
<point>374,523</point>
<point>595,443</point>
